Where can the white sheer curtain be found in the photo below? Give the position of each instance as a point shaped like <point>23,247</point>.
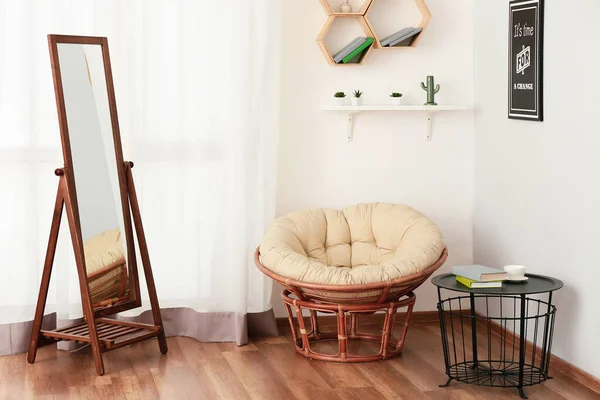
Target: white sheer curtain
<point>196,94</point>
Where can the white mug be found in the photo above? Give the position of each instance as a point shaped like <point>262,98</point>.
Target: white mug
<point>515,272</point>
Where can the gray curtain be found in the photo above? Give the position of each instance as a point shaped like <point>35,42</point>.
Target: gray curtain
<point>205,327</point>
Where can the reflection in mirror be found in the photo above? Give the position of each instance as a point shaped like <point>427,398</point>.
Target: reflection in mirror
<point>95,172</point>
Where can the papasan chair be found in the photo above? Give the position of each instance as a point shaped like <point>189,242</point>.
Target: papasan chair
<point>357,261</point>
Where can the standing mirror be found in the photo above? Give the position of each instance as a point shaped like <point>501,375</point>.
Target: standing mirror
<point>96,159</point>
<point>96,189</point>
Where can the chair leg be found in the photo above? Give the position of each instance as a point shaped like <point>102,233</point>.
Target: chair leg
<point>400,344</point>
<point>291,321</point>
<point>302,329</point>
<point>353,325</point>
<point>342,334</point>
<point>315,324</point>
<point>388,328</point>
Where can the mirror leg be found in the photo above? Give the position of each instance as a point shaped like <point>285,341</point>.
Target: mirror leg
<point>94,342</point>
<point>86,300</point>
<point>50,252</point>
<point>139,229</point>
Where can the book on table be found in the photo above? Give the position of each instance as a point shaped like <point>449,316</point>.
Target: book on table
<point>479,273</point>
<point>473,284</point>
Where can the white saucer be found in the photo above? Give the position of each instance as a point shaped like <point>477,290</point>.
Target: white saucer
<point>517,280</point>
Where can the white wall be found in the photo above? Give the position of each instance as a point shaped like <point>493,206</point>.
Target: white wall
<point>389,159</point>
<point>536,186</point>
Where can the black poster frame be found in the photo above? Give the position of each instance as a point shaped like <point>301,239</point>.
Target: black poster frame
<point>521,104</point>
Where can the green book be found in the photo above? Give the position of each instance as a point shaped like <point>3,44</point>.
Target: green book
<point>358,50</point>
<point>357,59</point>
<point>472,284</point>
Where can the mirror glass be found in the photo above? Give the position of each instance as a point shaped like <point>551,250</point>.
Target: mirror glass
<point>95,172</point>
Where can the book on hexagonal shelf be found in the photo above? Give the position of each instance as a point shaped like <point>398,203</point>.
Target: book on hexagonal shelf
<point>358,53</point>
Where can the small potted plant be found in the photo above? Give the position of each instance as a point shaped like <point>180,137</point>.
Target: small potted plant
<point>396,98</point>
<point>340,97</point>
<point>356,98</point>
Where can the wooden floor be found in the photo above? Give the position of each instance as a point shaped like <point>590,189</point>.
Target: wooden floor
<point>267,368</point>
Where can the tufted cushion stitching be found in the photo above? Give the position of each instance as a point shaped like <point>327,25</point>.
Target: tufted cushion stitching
<point>412,229</point>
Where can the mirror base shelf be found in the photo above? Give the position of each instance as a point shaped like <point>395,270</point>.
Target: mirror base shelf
<point>112,334</point>
<point>102,334</point>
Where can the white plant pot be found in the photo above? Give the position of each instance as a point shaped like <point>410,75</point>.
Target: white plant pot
<point>340,101</point>
<point>357,101</point>
<point>396,101</point>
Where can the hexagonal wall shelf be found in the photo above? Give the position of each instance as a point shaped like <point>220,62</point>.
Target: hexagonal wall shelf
<point>383,29</point>
<point>335,17</point>
<point>367,13</point>
<point>327,29</point>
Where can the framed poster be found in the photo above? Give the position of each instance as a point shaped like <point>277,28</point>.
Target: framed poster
<point>525,78</point>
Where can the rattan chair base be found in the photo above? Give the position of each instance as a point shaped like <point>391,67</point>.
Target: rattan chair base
<point>347,302</point>
<point>347,327</point>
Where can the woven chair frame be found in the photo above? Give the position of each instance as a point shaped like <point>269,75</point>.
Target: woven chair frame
<point>112,291</point>
<point>342,300</point>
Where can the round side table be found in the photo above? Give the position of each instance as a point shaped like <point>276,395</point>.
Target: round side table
<point>522,327</point>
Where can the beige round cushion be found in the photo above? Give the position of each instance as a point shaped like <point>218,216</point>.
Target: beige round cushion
<point>366,243</point>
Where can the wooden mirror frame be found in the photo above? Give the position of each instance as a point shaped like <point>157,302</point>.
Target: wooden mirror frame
<point>133,280</point>
<point>102,334</point>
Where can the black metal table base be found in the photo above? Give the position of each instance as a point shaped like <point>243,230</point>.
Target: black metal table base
<point>484,374</point>
<point>521,328</point>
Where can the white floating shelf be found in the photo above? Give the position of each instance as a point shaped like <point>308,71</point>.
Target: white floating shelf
<point>429,110</point>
